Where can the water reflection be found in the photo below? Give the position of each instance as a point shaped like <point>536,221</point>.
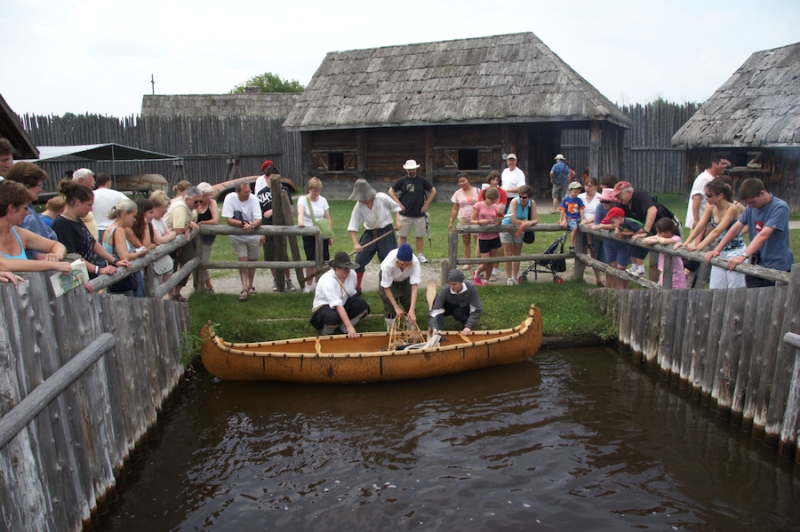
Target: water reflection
<point>576,439</point>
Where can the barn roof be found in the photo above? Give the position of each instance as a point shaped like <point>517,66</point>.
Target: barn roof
<point>759,105</point>
<point>11,129</point>
<point>500,79</point>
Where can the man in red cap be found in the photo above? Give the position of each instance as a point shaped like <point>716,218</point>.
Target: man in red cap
<point>640,206</point>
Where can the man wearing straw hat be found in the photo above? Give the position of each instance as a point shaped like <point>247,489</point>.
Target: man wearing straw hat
<point>336,304</point>
<point>559,175</point>
<point>413,193</point>
<point>374,210</point>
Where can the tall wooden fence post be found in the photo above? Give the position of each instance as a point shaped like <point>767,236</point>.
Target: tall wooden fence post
<point>452,250</point>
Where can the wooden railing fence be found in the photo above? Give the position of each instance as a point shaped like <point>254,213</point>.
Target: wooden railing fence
<point>74,415</point>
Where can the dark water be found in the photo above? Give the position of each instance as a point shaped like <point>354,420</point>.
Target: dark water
<point>571,440</point>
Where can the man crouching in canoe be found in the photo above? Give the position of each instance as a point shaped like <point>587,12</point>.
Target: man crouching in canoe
<point>335,301</point>
<point>458,298</point>
<point>399,280</point>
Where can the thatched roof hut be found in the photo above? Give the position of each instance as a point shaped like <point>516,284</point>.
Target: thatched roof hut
<point>491,94</point>
<point>754,118</point>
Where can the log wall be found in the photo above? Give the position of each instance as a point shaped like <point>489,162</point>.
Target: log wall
<point>724,348</point>
<point>59,471</point>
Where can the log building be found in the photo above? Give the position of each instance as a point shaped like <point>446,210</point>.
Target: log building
<point>452,105</point>
<point>754,119</point>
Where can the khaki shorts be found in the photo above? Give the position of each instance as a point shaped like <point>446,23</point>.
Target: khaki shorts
<point>559,191</point>
<point>247,249</point>
<point>407,223</point>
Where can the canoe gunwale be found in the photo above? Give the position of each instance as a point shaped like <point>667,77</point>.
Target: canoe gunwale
<point>240,349</point>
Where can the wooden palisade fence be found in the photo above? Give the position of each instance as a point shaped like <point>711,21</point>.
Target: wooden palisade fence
<point>734,350</point>
<point>84,377</point>
<point>725,348</point>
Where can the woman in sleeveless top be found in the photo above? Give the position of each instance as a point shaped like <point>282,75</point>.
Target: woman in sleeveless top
<point>115,242</point>
<point>720,214</point>
<point>207,214</point>
<point>14,200</point>
<point>521,212</point>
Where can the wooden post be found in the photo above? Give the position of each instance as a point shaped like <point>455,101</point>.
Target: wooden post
<point>445,269</point>
<point>745,353</point>
<point>361,153</point>
<point>452,250</point>
<point>287,207</point>
<point>666,274</point>
<point>653,329</point>
<point>714,324</point>
<point>580,267</point>
<point>784,366</point>
<point>429,169</point>
<point>756,381</point>
<point>727,357</point>
<point>767,369</point>
<point>319,247</point>
<point>594,148</point>
<point>698,353</point>
<point>680,335</point>
<point>639,332</point>
<point>277,219</point>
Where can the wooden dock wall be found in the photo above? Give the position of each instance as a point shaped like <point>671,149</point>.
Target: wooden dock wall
<point>61,469</point>
<point>724,347</point>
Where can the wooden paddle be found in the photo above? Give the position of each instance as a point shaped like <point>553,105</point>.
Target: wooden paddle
<point>326,268</point>
<point>431,294</point>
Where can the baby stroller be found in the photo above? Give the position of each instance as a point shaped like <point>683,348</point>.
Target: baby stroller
<point>552,266</point>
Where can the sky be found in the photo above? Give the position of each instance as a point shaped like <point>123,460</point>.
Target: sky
<point>98,56</point>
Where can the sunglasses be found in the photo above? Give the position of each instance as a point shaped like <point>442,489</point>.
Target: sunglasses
<point>523,197</point>
<point>709,195</point>
<point>606,201</point>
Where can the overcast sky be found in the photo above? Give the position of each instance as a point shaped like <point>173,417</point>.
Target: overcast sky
<point>97,56</point>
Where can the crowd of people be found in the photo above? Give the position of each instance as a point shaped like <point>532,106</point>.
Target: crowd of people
<point>108,230</point>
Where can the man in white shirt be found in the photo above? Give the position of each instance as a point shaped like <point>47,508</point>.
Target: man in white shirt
<point>697,205</point>
<point>399,280</point>
<point>335,301</point>
<point>374,210</point>
<point>242,210</point>
<point>104,198</point>
<point>512,178</point>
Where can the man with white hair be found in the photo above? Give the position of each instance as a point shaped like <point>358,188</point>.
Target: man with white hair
<point>512,178</point>
<point>85,177</point>
<point>181,218</point>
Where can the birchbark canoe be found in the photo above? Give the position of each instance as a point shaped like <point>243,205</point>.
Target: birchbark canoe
<point>339,359</point>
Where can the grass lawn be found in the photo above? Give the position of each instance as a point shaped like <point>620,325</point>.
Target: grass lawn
<point>565,309</point>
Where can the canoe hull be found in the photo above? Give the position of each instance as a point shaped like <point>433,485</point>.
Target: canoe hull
<point>337,359</point>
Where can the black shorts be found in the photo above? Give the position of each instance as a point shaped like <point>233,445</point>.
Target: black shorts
<point>486,246</point>
<point>310,249</point>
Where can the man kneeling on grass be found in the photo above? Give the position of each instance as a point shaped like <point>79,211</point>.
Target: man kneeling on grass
<point>458,298</point>
<point>335,301</point>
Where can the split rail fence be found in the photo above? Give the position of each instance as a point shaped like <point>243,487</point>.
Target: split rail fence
<point>84,378</point>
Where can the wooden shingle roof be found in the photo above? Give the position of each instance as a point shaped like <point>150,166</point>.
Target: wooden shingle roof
<point>759,105</point>
<point>500,79</point>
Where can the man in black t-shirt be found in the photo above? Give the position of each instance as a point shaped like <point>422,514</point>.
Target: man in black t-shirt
<point>414,194</point>
<point>640,206</point>
<point>264,195</point>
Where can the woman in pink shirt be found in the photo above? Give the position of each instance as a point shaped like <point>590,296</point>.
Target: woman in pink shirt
<point>464,199</point>
<point>487,212</point>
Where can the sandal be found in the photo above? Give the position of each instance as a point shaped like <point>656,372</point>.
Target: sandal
<point>251,291</point>
<point>178,297</point>
<point>243,295</point>
<point>210,290</point>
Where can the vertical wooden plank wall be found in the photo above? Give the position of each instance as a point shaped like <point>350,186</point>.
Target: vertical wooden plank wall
<point>725,348</point>
<point>59,471</point>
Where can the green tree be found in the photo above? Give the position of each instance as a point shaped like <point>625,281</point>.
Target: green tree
<point>269,82</point>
